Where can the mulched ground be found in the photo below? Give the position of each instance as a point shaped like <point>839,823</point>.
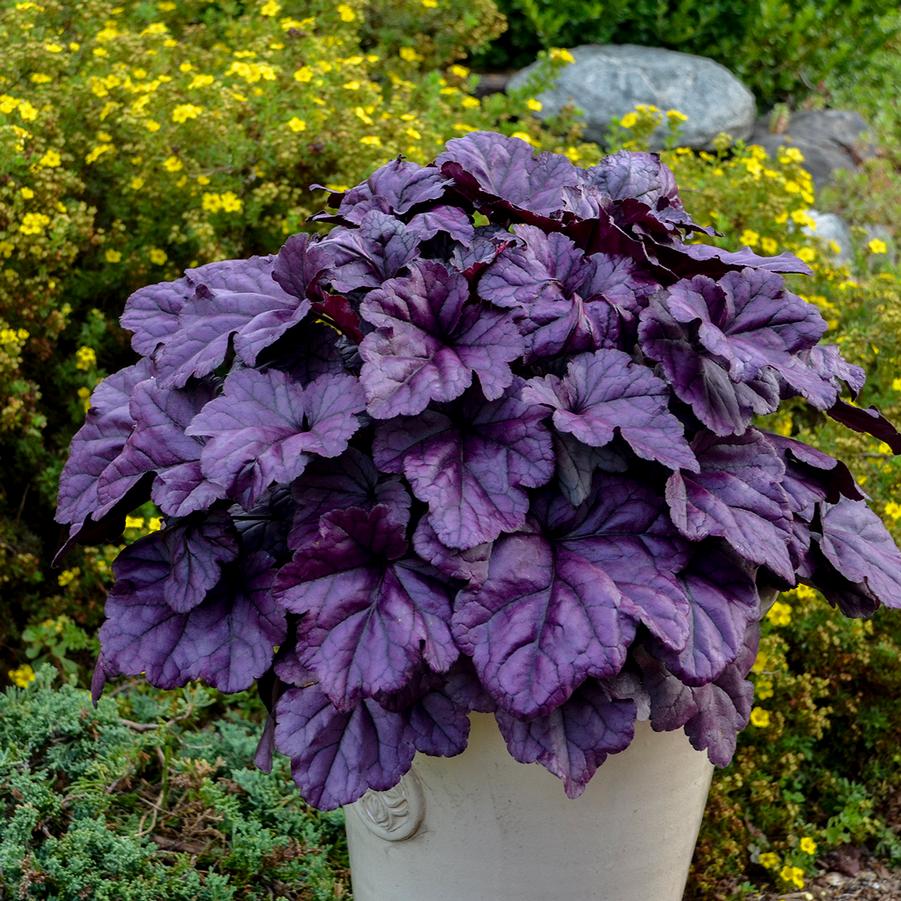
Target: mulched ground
<point>847,877</point>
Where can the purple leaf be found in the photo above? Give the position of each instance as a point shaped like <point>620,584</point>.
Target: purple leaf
<point>470,464</point>
<point>724,602</point>
<point>448,219</point>
<point>336,756</point>
<point>867,420</point>
<point>396,188</point>
<point>300,266</point>
<point>606,391</point>
<point>697,377</point>
<point>429,340</point>
<point>737,495</point>
<point>544,620</point>
<point>262,428</point>
<point>158,444</point>
<point>577,464</point>
<point>575,739</point>
<point>858,545</point>
<point>96,445</point>
<point>240,298</point>
<point>370,617</point>
<point>366,256</point>
<point>491,169</point>
<point>351,480</point>
<point>151,313</point>
<point>469,566</point>
<point>180,564</point>
<point>688,259</point>
<point>226,641</point>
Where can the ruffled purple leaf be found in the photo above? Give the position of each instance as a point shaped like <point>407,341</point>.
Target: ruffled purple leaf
<point>301,265</point>
<point>337,756</point>
<point>151,313</point>
<point>493,171</point>
<point>429,340</point>
<point>96,445</point>
<point>395,188</point>
<point>577,464</point>
<point>264,426</point>
<point>450,220</point>
<point>670,333</point>
<point>471,464</point>
<point>469,566</point>
<point>738,496</point>
<point>370,617</point>
<point>226,641</point>
<point>575,739</point>
<point>689,259</point>
<point>180,564</point>
<point>351,480</point>
<point>604,392</point>
<point>158,444</point>
<point>724,602</point>
<point>241,299</point>
<point>365,256</point>
<point>867,420</point>
<point>860,548</point>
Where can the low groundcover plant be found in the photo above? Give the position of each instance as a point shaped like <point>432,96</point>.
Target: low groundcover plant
<point>486,445</point>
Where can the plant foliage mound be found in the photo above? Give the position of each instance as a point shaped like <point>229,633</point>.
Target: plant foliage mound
<point>487,445</point>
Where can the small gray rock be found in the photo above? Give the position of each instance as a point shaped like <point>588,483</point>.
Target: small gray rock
<point>831,227</point>
<point>607,81</point>
<point>830,139</point>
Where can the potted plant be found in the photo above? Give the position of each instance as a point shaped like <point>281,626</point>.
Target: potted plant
<point>485,452</point>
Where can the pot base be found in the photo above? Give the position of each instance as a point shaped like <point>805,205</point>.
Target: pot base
<point>482,827</point>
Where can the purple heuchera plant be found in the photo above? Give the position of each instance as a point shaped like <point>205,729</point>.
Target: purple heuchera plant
<point>487,445</point>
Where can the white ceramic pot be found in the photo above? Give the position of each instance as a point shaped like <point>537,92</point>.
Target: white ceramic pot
<point>482,827</point>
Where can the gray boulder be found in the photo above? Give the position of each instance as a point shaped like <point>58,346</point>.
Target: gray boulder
<point>606,81</point>
<point>831,227</point>
<point>830,139</point>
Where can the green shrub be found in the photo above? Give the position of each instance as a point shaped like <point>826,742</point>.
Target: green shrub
<point>100,807</point>
<point>782,50</point>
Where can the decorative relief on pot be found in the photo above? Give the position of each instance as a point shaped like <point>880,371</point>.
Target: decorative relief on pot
<point>395,814</point>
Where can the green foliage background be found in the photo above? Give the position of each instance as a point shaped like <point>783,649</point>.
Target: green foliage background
<point>141,137</point>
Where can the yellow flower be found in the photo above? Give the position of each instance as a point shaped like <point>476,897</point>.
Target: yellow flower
<point>22,675</point>
<point>768,245</point>
<point>27,111</point>
<point>231,203</point>
<point>154,524</point>
<point>409,55</point>
<point>68,576</point>
<point>763,689</point>
<point>534,105</point>
<point>296,124</point>
<point>151,125</point>
<point>40,78</point>
<point>896,384</point>
<point>96,152</point>
<point>185,111</point>
<point>877,245</point>
<point>157,256</point>
<point>429,4</point>
<point>780,614</point>
<point>760,718</point>
<point>136,183</point>
<point>270,8</point>
<point>113,256</point>
<point>201,81</point>
<point>50,160</point>
<point>352,85</point>
<point>802,217</point>
<point>27,193</point>
<point>558,54</point>
<point>33,223</point>
<point>459,71</point>
<point>806,254</point>
<point>53,48</point>
<point>371,140</point>
<point>794,875</point>
<point>523,136</point>
<point>749,237</point>
<point>211,203</point>
<point>85,358</point>
<point>805,593</point>
<point>303,74</point>
<point>630,120</point>
<point>346,13</point>
<point>791,155</point>
<point>769,859</point>
<point>674,116</point>
<point>808,845</point>
<point>172,164</point>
